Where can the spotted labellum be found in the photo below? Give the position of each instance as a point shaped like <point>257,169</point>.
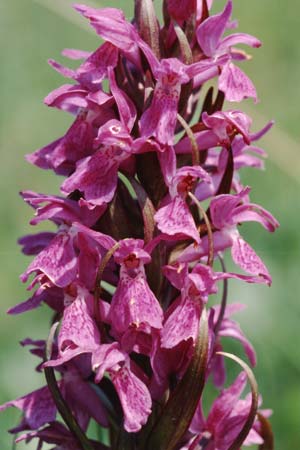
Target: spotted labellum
<point>151,202</point>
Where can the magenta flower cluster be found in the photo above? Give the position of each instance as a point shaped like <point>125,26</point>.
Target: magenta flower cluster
<point>151,199</point>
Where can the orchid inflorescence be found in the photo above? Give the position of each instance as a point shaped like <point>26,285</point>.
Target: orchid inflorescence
<point>151,200</point>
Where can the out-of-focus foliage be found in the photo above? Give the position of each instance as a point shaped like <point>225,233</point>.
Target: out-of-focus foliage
<point>30,33</point>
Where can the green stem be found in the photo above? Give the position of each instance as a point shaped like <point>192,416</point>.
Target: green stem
<point>59,401</point>
<point>223,301</point>
<point>191,136</point>
<point>210,258</point>
<point>147,209</point>
<point>98,288</point>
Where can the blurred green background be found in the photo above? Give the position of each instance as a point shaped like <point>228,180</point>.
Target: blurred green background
<point>34,30</point>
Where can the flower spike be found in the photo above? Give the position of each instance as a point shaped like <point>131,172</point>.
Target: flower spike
<point>151,196</point>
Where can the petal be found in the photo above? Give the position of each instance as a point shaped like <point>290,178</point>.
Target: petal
<point>182,324</point>
<point>204,280</point>
<point>262,132</point>
<point>68,98</point>
<point>238,38</point>
<point>223,405</point>
<point>28,305</point>
<point>198,423</point>
<point>235,84</point>
<point>135,399</point>
<point>58,261</point>
<point>176,218</point>
<point>205,139</point>
<point>75,54</point>
<point>111,25</point>
<point>89,256</point>
<point>107,357</point>
<point>78,333</point>
<point>134,304</point>
<point>253,212</point>
<point>203,71</point>
<point>126,107</point>
<point>209,33</point>
<point>160,118</point>
<point>55,433</point>
<point>222,240</point>
<point>102,239</point>
<point>59,210</point>
<point>245,159</point>
<point>167,161</point>
<point>38,407</point>
<point>228,430</point>
<point>61,155</point>
<point>192,173</point>
<point>42,157</point>
<point>247,278</point>
<point>81,396</point>
<point>76,144</point>
<point>204,191</point>
<point>227,123</point>
<point>137,340</point>
<point>113,134</point>
<point>176,274</point>
<point>53,296</point>
<point>96,177</point>
<point>253,438</point>
<point>129,247</point>
<point>246,258</point>
<point>92,72</point>
<point>78,328</point>
<point>65,71</point>
<point>231,329</point>
<point>223,206</point>
<point>218,368</point>
<point>34,243</point>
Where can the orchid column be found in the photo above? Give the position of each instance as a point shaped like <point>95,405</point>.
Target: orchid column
<point>151,201</point>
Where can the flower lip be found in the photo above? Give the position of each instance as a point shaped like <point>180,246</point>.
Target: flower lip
<point>131,261</point>
<point>115,129</point>
<point>131,253</point>
<point>185,185</point>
